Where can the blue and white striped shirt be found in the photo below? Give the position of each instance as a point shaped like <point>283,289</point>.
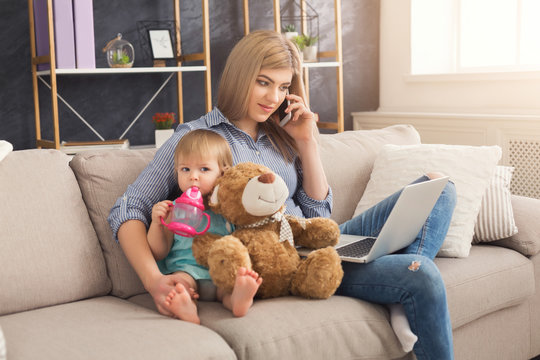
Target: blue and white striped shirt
<point>157,181</point>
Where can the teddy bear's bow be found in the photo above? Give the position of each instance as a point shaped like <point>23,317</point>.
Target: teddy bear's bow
<point>285,231</point>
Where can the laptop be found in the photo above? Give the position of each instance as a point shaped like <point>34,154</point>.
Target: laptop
<point>400,229</point>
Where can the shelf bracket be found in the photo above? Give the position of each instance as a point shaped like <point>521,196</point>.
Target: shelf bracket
<point>132,122</point>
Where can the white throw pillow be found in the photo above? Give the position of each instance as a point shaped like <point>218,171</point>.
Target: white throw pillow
<point>5,149</point>
<point>469,167</point>
<point>2,346</point>
<point>496,218</point>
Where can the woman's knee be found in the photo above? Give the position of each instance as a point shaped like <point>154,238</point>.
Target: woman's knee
<point>434,175</point>
<point>426,279</point>
<point>449,194</point>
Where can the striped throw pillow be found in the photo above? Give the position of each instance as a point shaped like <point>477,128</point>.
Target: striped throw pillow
<point>496,218</point>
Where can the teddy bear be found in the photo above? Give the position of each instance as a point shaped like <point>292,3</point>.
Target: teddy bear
<point>252,198</point>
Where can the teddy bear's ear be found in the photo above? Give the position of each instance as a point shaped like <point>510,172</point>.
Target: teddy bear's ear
<point>214,197</point>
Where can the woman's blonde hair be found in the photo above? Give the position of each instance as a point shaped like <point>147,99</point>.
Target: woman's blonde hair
<point>202,144</point>
<point>262,49</point>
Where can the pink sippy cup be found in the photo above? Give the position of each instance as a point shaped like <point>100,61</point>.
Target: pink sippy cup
<point>187,214</point>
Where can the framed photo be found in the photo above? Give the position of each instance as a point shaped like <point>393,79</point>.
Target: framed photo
<point>161,44</point>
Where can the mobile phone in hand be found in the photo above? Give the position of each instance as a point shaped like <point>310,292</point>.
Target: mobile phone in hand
<point>284,117</point>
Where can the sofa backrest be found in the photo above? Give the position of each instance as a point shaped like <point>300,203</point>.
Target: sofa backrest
<point>104,175</point>
<point>49,251</point>
<point>348,159</point>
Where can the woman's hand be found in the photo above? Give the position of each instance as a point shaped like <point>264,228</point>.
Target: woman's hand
<point>160,286</point>
<point>303,129</point>
<point>302,123</point>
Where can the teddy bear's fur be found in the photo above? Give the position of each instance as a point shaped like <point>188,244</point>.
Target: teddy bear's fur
<point>246,195</point>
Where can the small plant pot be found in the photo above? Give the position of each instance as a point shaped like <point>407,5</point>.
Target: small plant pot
<point>290,35</point>
<point>310,53</point>
<point>162,136</point>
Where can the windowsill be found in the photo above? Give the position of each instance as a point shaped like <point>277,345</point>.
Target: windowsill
<point>477,76</point>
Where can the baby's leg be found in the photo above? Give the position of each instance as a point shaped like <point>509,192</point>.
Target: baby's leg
<point>401,327</point>
<point>181,300</point>
<point>245,287</point>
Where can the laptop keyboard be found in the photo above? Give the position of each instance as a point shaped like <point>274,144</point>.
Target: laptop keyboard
<point>356,249</point>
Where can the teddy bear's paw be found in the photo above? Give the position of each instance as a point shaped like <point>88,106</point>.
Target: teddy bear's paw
<point>225,257</point>
<point>318,233</point>
<point>201,246</point>
<point>319,275</point>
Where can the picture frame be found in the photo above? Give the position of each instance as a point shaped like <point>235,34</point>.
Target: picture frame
<point>161,44</point>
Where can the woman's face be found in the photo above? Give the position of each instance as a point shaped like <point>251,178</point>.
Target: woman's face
<point>269,90</point>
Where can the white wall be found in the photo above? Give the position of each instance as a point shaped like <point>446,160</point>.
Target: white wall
<point>504,93</point>
<point>473,109</point>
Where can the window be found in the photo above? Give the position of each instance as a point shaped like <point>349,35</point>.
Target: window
<point>456,36</point>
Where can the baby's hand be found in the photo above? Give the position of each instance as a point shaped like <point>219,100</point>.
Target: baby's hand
<point>160,210</point>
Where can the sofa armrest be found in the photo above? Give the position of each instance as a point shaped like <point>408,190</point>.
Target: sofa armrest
<point>526,215</point>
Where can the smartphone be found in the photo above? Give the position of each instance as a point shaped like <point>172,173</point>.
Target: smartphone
<point>284,117</point>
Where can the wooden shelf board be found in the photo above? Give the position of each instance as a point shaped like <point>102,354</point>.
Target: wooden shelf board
<point>320,64</point>
<point>327,125</point>
<point>133,70</point>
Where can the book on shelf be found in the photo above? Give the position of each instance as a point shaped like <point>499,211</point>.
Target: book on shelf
<point>83,20</point>
<point>41,31</point>
<point>73,147</point>
<point>64,34</point>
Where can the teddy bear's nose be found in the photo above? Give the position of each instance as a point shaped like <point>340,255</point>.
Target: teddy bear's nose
<point>267,178</point>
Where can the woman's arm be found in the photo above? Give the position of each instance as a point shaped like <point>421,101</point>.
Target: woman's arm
<point>131,214</point>
<point>303,129</point>
<point>314,179</point>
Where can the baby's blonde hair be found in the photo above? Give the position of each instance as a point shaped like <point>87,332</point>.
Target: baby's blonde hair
<point>202,144</point>
<point>262,49</point>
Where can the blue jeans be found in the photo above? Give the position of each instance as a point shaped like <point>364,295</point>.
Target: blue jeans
<point>408,277</point>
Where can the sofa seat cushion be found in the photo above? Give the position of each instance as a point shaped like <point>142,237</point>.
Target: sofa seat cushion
<point>49,250</point>
<point>296,328</point>
<point>490,279</point>
<point>107,328</point>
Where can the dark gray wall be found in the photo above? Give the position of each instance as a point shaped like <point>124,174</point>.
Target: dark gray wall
<point>111,102</point>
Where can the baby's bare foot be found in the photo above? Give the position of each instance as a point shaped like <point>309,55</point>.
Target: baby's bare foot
<point>179,302</point>
<point>246,285</point>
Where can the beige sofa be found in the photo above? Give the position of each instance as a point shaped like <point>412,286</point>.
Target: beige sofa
<point>67,291</point>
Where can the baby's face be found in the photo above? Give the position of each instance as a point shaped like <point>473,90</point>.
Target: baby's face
<point>198,172</point>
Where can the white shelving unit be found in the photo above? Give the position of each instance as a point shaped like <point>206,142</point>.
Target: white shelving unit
<point>135,70</point>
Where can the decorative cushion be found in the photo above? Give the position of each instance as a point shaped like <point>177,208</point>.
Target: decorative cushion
<point>348,157</point>
<point>103,176</point>
<point>2,346</point>
<point>469,167</point>
<point>5,149</point>
<point>496,218</point>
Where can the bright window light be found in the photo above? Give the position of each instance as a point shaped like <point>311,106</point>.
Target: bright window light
<point>432,36</point>
<point>449,36</point>
<point>530,32</point>
<point>488,33</point>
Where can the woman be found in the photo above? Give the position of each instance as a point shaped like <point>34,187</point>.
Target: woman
<point>261,72</point>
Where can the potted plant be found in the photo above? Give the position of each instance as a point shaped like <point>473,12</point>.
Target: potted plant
<point>300,44</point>
<point>310,47</point>
<point>120,53</point>
<point>289,31</point>
<point>163,123</point>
